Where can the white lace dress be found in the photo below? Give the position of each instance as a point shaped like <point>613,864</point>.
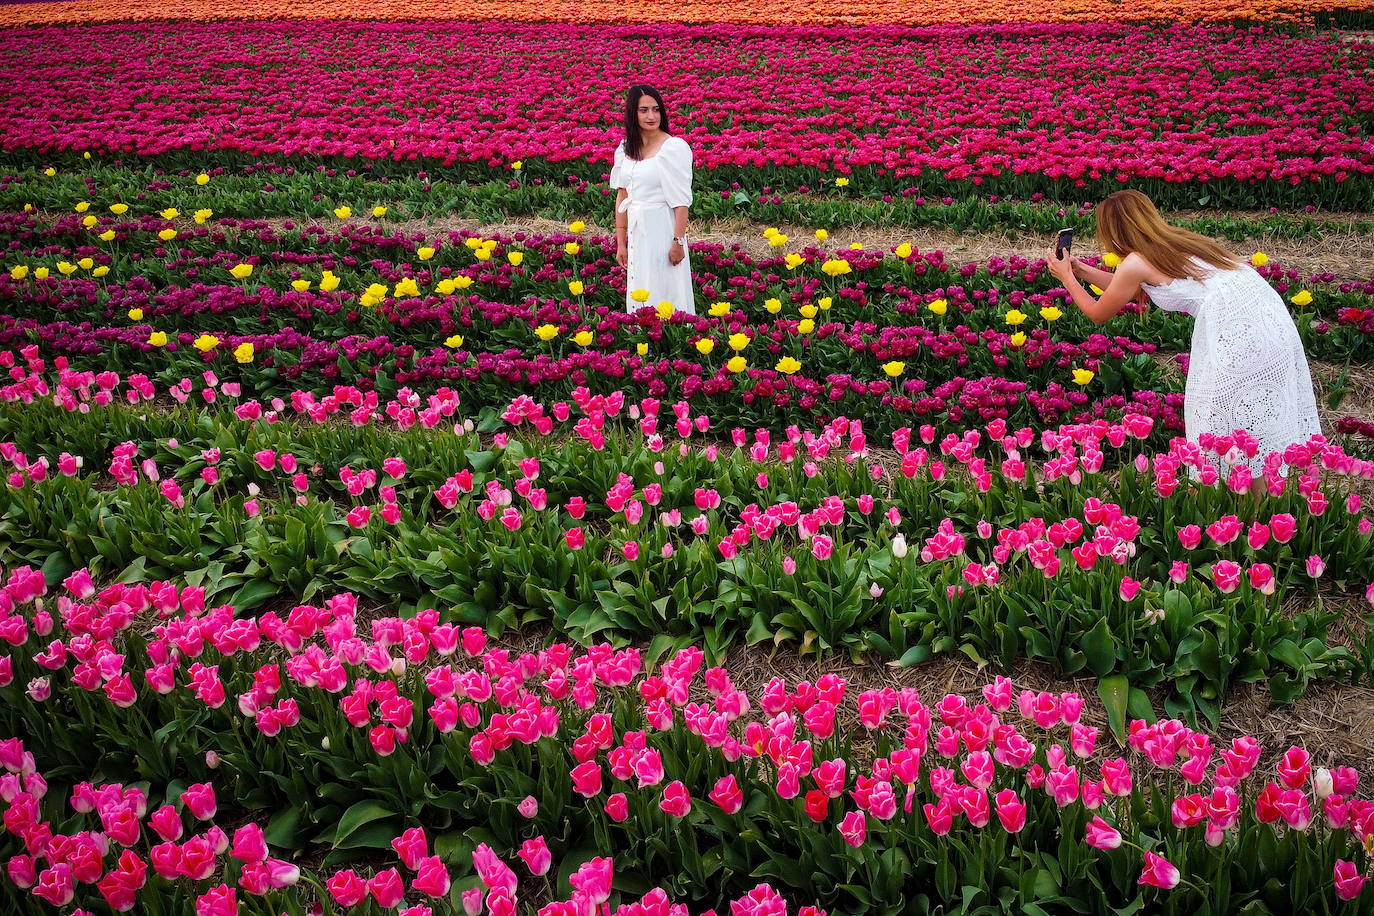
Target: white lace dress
<point>654,186</point>
<point>1247,369</point>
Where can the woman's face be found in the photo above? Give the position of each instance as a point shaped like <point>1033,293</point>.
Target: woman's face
<point>649,113</point>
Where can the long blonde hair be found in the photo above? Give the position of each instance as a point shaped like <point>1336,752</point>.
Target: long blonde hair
<point>1127,222</point>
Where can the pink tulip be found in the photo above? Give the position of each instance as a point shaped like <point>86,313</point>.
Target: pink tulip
<point>536,855</point>
<point>1159,873</point>
<point>387,888</point>
<point>1262,578</point>
<point>218,901</point>
<point>199,799</point>
<point>1315,566</point>
<point>676,799</point>
<point>821,547</point>
<point>347,888</point>
<point>432,878</point>
<point>1011,811</point>
<point>1283,527</point>
<point>618,807</point>
<point>249,844</point>
<point>1348,880</point>
<point>727,795</point>
<point>411,847</point>
<point>1226,575</point>
<point>854,828</point>
<point>1102,835</point>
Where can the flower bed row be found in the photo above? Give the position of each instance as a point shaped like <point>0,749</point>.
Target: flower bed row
<point>813,537</point>
<point>809,334</point>
<point>1252,116</point>
<point>242,741</point>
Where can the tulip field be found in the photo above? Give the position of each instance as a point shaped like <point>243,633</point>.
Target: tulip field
<point>360,553</point>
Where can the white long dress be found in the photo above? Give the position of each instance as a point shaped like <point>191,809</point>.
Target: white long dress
<point>654,186</point>
<point>1247,369</point>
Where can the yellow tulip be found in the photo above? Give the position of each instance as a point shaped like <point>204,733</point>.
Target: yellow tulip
<point>424,253</point>
<point>407,288</point>
<point>107,236</point>
<point>1051,313</point>
<point>82,207</point>
<point>170,213</point>
<point>822,235</point>
<point>157,339</point>
<point>808,310</point>
<point>328,282</point>
<point>206,342</point>
<point>720,309</point>
<point>773,305</point>
<point>65,268</point>
<point>836,267</point>
<point>40,273</point>
<point>640,295</point>
<point>770,232</point>
<point>787,365</point>
<point>576,287</point>
<point>20,272</point>
<point>86,155</point>
<point>577,227</point>
<point>894,368</point>
<point>939,306</point>
<point>515,258</point>
<point>300,286</point>
<point>642,349</point>
<point>825,303</point>
<point>777,240</point>
<point>856,246</point>
<point>738,341</point>
<point>135,314</point>
<point>100,271</point>
<point>1015,317</point>
<point>373,295</point>
<point>1112,260</point>
<point>736,363</point>
<point>203,215</point>
<point>343,212</point>
<point>806,326</point>
<point>1082,376</point>
<point>794,261</point>
<point>665,310</point>
<point>463,281</point>
<point>546,332</point>
<point>705,345</point>
<point>202,179</point>
<point>167,234</point>
<point>1259,259</point>
<point>472,243</point>
<point>841,182</point>
<point>583,338</point>
<point>241,271</point>
<point>85,263</point>
<point>903,250</point>
<point>1018,339</point>
<point>243,353</point>
<point>445,286</point>
<point>89,221</point>
<point>378,212</point>
<point>1302,298</point>
<point>517,165</point>
<point>454,341</point>
<point>572,248</point>
<point>1097,290</point>
<point>119,209</point>
<point>50,171</point>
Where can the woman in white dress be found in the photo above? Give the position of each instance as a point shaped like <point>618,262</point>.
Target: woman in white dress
<point>1247,369</point>
<point>653,176</point>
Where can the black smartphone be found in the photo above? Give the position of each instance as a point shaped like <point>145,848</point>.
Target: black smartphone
<point>1064,242</point>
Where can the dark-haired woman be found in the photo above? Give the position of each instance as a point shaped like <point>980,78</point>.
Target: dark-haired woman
<point>1247,370</point>
<point>653,174</point>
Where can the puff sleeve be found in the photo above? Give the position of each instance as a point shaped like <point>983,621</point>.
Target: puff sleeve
<point>618,179</point>
<point>676,173</point>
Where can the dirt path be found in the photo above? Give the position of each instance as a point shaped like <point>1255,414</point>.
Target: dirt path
<point>1343,251</point>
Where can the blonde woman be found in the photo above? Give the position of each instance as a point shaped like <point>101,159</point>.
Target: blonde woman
<point>1246,369</point>
<point>653,177</point>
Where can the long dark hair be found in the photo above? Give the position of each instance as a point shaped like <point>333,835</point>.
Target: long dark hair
<point>634,143</point>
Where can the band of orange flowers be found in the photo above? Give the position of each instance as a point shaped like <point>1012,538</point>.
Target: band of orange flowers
<point>805,12</point>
